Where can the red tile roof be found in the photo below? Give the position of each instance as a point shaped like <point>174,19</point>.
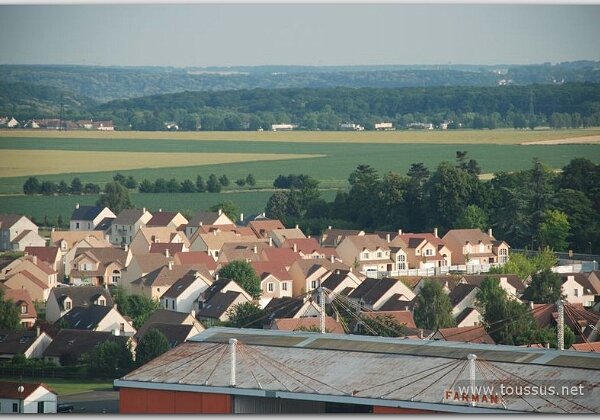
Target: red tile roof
<point>10,390</point>
<point>196,257</point>
<point>298,324</point>
<point>277,269</point>
<point>285,256</point>
<point>262,228</point>
<point>48,254</point>
<point>21,295</point>
<point>309,245</point>
<point>161,247</point>
<point>402,317</point>
<point>31,277</point>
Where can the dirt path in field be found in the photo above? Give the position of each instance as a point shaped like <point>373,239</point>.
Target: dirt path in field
<point>573,140</point>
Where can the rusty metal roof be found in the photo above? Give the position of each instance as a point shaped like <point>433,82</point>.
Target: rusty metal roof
<point>369,370</point>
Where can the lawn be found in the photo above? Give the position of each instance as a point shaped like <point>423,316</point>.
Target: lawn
<point>67,386</point>
<point>499,136</point>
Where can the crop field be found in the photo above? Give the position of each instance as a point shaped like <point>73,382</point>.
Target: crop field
<point>327,156</point>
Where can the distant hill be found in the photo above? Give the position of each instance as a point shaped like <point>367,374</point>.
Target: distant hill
<point>109,83</point>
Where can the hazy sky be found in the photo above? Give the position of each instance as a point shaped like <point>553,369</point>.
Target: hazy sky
<point>303,34</point>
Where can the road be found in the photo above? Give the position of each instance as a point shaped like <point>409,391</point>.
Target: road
<point>92,402</point>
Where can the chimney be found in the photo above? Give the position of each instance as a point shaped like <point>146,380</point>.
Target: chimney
<point>332,259</point>
<point>216,276</point>
<point>270,241</point>
<point>143,210</point>
<point>336,271</point>
<point>399,231</point>
<point>328,227</point>
<point>77,205</point>
<point>220,212</point>
<point>490,233</point>
<point>167,252</point>
<point>241,217</point>
<point>116,332</point>
<point>308,236</point>
<point>196,274</point>
<point>160,210</point>
<point>37,331</point>
<point>52,229</point>
<point>215,232</point>
<point>193,313</point>
<point>295,248</point>
<point>421,333</point>
<point>126,247</point>
<point>435,232</point>
<point>170,265</point>
<point>262,214</point>
<point>387,238</point>
<point>255,249</point>
<point>35,259</point>
<point>296,226</point>
<point>531,304</point>
<point>115,306</point>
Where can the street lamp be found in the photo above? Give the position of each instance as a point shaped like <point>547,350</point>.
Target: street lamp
<point>20,390</point>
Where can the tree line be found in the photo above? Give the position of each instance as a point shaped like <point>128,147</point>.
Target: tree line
<point>533,208</point>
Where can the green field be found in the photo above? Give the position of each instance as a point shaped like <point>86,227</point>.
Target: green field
<point>332,170</point>
<point>67,386</point>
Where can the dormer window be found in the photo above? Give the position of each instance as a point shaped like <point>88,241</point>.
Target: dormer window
<point>68,305</point>
<point>23,309</point>
<point>365,255</point>
<point>102,302</point>
<point>379,254</point>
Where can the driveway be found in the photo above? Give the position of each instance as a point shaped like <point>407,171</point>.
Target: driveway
<point>92,402</point>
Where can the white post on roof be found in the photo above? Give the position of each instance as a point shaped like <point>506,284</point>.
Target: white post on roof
<point>561,325</point>
<point>322,314</point>
<point>471,358</point>
<point>232,344</point>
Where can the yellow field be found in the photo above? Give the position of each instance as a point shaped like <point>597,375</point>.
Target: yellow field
<point>45,162</point>
<point>502,136</point>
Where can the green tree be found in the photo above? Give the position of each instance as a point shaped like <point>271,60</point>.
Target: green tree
<point>472,217</point>
<point>224,180</point>
<point>506,320</point>
<point>524,266</point>
<point>9,314</point>
<point>32,186</point>
<point>277,205</point>
<point>91,188</point>
<point>545,287</point>
<point>48,187</point>
<point>146,186</point>
<point>415,199</point>
<point>131,183</point>
<point>245,315</point>
<point>172,186</point>
<point>549,335</point>
<point>240,182</point>
<point>120,178</point>
<point>433,309</point>
<point>153,344</point>
<point>383,326</point>
<point>213,185</point>
<point>63,187</point>
<point>137,307</point>
<point>110,359</point>
<point>187,186</point>
<point>76,186</point>
<point>115,197</point>
<point>200,184</point>
<point>391,201</point>
<point>553,230</point>
<point>364,188</point>
<point>229,208</point>
<point>250,180</point>
<point>244,274</point>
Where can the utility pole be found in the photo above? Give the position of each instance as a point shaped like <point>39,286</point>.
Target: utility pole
<point>560,336</point>
<point>322,305</point>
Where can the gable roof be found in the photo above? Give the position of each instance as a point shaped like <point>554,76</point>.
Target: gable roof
<point>20,296</point>
<point>204,218</point>
<point>175,333</point>
<point>49,254</point>
<point>583,280</point>
<point>333,237</point>
<point>241,251</point>
<point>511,279</point>
<point>371,290</point>
<point>278,270</point>
<point>16,342</point>
<point>154,234</point>
<point>164,276</point>
<point>285,256</point>
<point>308,246</point>
<point>394,303</point>
<point>77,342</point>
<point>368,242</point>
<point>162,218</point>
<point>464,314</point>
<point>74,236</point>
<point>161,248</point>
<point>295,324</point>
<point>216,240</point>
<point>309,266</point>
<point>81,296</point>
<point>163,316</point>
<point>465,334</point>
<point>460,292</point>
<point>186,281</point>
<point>197,258</point>
<point>218,304</point>
<point>401,317</point>
<point>460,237</point>
<point>149,262</point>
<point>129,216</point>
<point>9,390</point>
<point>285,307</point>
<point>283,234</point>
<point>262,228</point>
<point>335,279</point>
<point>413,240</point>
<point>7,220</point>
<point>38,282</point>
<point>85,318</point>
<point>104,256</point>
<point>86,212</point>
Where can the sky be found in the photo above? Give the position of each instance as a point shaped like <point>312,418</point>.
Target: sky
<point>199,35</point>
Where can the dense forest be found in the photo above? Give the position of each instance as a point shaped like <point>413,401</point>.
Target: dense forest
<point>108,83</point>
<point>534,208</point>
<point>557,106</point>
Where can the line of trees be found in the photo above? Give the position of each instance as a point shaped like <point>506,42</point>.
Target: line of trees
<point>533,208</point>
<point>213,184</point>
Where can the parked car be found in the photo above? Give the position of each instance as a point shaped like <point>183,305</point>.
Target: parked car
<point>64,408</point>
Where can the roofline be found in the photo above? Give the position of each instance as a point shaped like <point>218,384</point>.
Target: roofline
<point>450,408</point>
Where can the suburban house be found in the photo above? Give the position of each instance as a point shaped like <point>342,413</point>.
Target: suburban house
<point>401,317</point>
<point>341,282</point>
<point>63,299</point>
<point>463,296</point>
<point>126,225</point>
<point>171,219</point>
<point>98,266</point>
<point>263,228</point>
<point>309,248</point>
<point>275,280</point>
<point>425,250</point>
<point>366,253</point>
<point>578,288</point>
<point>218,299</point>
<point>197,258</point>
<point>30,344</point>
<point>48,254</point>
<point>331,238</point>
<point>146,236</point>
<point>183,295</point>
<point>18,232</point>
<point>448,282</point>
<point>583,322</point>
<point>284,256</point>
<point>69,345</point>
<point>97,318</point>
<point>212,243</point>
<point>474,247</point>
<point>206,218</point>
<point>469,317</point>
<point>139,266</point>
<point>476,335</point>
<point>164,317</point>
<point>279,236</point>
<point>35,398</point>
<point>68,242</point>
<point>290,308</point>
<point>307,275</point>
<point>167,249</point>
<point>373,293</point>
<point>90,217</point>
<point>247,251</point>
<point>22,300</point>
<point>29,273</point>
<point>511,283</point>
<point>154,284</point>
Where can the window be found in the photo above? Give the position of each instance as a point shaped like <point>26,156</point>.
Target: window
<point>365,255</point>
<point>68,305</point>
<point>379,254</point>
<point>40,407</point>
<point>270,287</point>
<point>575,292</point>
<point>166,303</point>
<point>15,407</point>
<point>122,327</point>
<point>76,225</point>
<point>173,304</point>
<point>89,225</point>
<point>313,284</point>
<point>284,286</point>
<point>101,302</point>
<point>23,309</point>
<point>429,251</point>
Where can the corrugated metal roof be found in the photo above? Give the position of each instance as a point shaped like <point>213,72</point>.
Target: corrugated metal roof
<point>368,370</point>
